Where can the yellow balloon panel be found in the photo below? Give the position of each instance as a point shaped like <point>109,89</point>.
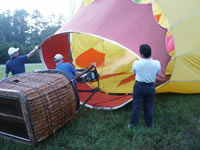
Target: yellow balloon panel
<point>159,15</point>
<point>114,64</point>
<point>187,68</point>
<point>170,67</point>
<point>189,87</point>
<point>186,35</point>
<point>80,44</point>
<point>176,10</point>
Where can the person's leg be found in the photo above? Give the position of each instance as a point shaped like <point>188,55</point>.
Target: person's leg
<point>148,106</point>
<point>137,100</point>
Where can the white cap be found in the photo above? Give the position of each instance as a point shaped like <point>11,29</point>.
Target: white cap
<point>12,50</point>
<point>58,57</point>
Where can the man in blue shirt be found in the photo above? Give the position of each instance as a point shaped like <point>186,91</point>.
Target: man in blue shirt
<point>146,70</point>
<point>66,67</point>
<point>16,63</point>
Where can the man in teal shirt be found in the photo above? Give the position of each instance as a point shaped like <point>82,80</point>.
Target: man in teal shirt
<point>66,67</point>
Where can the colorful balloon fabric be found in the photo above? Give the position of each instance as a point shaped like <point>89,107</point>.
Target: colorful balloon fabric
<point>111,40</point>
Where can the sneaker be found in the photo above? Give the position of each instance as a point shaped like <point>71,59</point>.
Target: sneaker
<point>131,126</point>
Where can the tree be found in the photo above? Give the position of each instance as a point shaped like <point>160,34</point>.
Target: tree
<point>24,30</point>
<point>19,26</point>
<point>5,26</point>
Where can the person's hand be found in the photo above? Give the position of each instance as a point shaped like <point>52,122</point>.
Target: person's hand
<point>94,64</point>
<point>37,47</point>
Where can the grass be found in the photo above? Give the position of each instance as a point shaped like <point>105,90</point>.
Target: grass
<point>176,127</point>
<point>28,68</point>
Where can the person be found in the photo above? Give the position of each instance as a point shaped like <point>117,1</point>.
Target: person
<point>146,70</point>
<point>66,67</point>
<point>16,63</point>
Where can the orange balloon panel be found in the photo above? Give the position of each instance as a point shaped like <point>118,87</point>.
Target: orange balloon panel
<point>89,57</point>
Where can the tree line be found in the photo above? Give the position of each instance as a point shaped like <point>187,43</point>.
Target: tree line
<point>25,30</point>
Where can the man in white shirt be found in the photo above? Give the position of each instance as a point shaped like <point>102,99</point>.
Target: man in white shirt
<point>146,70</point>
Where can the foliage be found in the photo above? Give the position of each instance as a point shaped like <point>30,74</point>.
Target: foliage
<point>176,127</point>
<point>24,30</point>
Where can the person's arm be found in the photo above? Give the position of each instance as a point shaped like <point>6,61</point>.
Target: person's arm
<point>134,67</point>
<point>73,70</point>
<point>76,72</point>
<point>159,68</point>
<point>7,70</point>
<point>31,53</point>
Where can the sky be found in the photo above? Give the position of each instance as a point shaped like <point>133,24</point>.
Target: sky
<point>46,7</point>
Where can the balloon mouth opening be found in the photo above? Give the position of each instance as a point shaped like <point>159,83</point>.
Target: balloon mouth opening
<point>113,61</point>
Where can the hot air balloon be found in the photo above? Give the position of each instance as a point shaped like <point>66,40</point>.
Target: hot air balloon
<point>108,33</point>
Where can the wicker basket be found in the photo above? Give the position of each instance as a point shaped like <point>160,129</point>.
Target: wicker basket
<point>35,105</point>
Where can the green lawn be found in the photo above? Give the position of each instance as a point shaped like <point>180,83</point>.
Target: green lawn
<point>28,67</point>
<point>176,127</point>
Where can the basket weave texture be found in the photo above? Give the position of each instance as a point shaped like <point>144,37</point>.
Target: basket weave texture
<point>50,100</point>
